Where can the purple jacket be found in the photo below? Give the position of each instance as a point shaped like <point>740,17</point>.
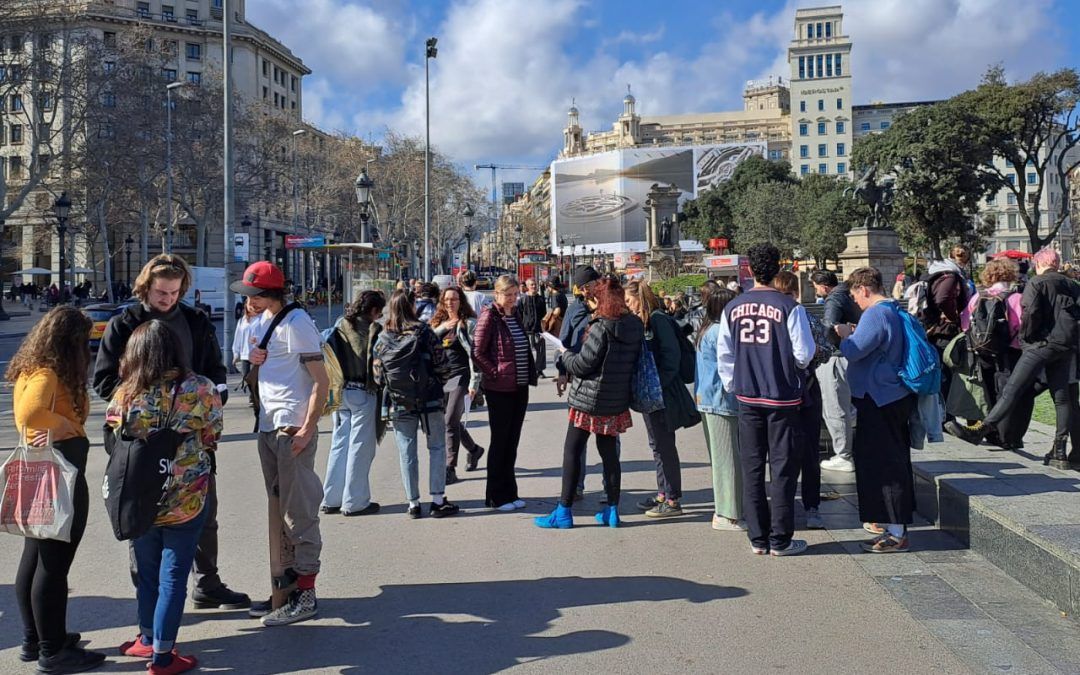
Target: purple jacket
<point>493,352</point>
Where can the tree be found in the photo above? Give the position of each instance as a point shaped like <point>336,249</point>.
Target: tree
<point>1033,125</point>
<point>711,214</point>
<point>825,215</point>
<point>943,168</point>
<point>767,213</point>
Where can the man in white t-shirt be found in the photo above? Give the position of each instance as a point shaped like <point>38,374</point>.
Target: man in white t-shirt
<point>477,300</point>
<point>293,386</point>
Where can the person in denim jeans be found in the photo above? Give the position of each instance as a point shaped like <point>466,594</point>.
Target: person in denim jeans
<point>408,415</point>
<point>346,488</point>
<point>156,390</point>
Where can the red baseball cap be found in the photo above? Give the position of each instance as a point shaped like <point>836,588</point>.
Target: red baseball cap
<point>259,277</point>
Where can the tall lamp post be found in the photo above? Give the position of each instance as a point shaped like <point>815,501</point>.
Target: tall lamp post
<point>468,214</point>
<point>429,54</point>
<point>168,165</point>
<point>128,243</point>
<point>296,200</point>
<point>3,314</point>
<point>363,198</point>
<point>517,247</point>
<point>62,207</point>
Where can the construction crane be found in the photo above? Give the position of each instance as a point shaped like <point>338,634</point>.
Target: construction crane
<point>506,167</point>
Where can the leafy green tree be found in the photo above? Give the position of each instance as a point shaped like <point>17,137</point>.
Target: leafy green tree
<point>1034,125</point>
<point>710,215</point>
<point>942,163</point>
<point>767,213</point>
<point>825,215</point>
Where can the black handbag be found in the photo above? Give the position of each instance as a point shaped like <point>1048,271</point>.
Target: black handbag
<point>137,476</point>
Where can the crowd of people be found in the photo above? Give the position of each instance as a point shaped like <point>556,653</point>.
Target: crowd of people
<point>760,373</point>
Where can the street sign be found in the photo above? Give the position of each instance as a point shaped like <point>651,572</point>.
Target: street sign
<point>298,241</point>
<point>241,247</point>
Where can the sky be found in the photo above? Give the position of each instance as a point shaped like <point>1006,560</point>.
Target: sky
<point>507,70</point>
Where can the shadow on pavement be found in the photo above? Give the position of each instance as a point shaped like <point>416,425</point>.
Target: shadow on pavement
<point>480,627</point>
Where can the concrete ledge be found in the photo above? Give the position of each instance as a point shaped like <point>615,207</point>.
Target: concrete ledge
<point>1006,506</point>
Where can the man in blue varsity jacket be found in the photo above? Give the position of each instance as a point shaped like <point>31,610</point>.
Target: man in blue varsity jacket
<point>764,347</point>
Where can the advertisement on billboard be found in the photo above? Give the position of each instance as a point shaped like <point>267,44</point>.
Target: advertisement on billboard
<point>599,200</point>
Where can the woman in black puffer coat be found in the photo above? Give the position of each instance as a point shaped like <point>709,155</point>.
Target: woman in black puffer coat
<point>603,376</point>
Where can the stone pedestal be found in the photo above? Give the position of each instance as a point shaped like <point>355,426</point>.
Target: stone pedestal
<point>878,248</point>
<point>663,262</point>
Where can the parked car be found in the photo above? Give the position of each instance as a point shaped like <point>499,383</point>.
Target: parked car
<point>100,314</point>
<point>484,284</point>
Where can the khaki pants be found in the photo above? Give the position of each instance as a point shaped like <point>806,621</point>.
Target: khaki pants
<point>294,485</point>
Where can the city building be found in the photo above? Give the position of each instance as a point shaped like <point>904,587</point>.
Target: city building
<point>511,191</point>
<point>185,37</point>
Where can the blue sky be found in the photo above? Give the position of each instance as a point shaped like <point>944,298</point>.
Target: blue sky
<point>507,69</point>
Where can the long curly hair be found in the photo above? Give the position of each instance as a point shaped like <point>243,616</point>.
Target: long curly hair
<point>150,358</point>
<point>465,310</point>
<point>61,343</point>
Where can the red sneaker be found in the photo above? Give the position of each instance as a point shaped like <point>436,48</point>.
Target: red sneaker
<point>180,664</point>
<point>137,649</point>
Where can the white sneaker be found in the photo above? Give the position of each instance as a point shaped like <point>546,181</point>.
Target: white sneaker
<point>727,525</point>
<point>301,606</point>
<point>508,506</point>
<point>796,547</point>
<point>814,521</point>
<point>838,463</point>
<point>519,503</point>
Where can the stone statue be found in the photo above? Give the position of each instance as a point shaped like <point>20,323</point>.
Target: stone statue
<point>878,197</point>
<point>665,232</point>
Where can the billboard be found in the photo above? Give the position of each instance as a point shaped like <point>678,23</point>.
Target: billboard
<point>599,200</point>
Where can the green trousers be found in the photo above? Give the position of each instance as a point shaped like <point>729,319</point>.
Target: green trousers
<point>722,442</point>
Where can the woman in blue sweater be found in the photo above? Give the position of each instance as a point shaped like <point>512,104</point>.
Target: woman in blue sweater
<point>882,451</point>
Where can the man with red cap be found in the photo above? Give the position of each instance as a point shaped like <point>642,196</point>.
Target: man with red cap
<point>292,390</point>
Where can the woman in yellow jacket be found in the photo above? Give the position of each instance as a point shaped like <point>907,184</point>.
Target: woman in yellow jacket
<point>51,403</point>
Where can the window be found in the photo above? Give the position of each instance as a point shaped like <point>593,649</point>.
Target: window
<point>841,150</point>
<point>143,8</point>
<point>802,106</point>
<point>1032,178</point>
<point>809,30</point>
<point>819,33</point>
<point>1010,199</point>
<point>839,104</point>
<point>16,165</point>
<point>276,99</point>
<point>193,51</point>
<point>109,39</point>
<point>803,131</point>
<point>839,127</point>
<point>773,154</point>
<point>822,150</point>
<point>109,67</point>
<point>266,92</point>
<point>294,108</point>
<point>149,45</point>
<point>841,168</point>
<point>820,65</point>
<point>1011,178</point>
<point>992,199</point>
<point>168,13</point>
<point>1011,221</point>
<point>45,41</point>
<point>804,151</point>
<point>266,68</point>
<point>46,101</point>
<point>194,78</point>
<point>804,169</point>
<point>810,67</point>
<point>865,126</point>
<point>193,17</point>
<point>292,83</point>
<point>828,29</point>
<point>886,124</point>
<point>823,168</point>
<point>17,43</point>
<point>172,47</point>
<point>1008,163</point>
<point>839,71</point>
<point>828,65</point>
<point>16,134</point>
<point>802,67</point>
<point>16,103</point>
<point>169,74</point>
<point>108,99</point>
<point>15,72</point>
<point>821,129</point>
<point>821,105</point>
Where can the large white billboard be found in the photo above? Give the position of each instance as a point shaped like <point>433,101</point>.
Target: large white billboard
<point>599,200</point>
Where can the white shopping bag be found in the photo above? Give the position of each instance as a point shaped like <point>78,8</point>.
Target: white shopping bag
<point>36,493</point>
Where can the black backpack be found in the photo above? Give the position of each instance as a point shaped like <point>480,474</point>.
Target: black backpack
<point>137,475</point>
<point>402,366</point>
<point>687,355</point>
<point>988,334</point>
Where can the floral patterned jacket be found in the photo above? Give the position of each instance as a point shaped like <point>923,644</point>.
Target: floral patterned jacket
<point>197,413</point>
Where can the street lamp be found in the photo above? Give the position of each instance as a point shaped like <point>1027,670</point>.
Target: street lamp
<point>168,164</point>
<point>468,214</point>
<point>430,53</point>
<point>517,245</point>
<point>62,208</point>
<point>364,184</point>
<point>128,243</point>
<point>3,314</point>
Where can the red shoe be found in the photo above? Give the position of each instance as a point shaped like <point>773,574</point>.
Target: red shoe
<point>180,664</point>
<point>137,649</point>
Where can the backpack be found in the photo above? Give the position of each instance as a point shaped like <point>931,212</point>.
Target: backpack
<point>988,333</point>
<point>336,391</point>
<point>921,370</point>
<point>916,295</point>
<point>137,475</point>
<point>687,355</point>
<point>402,366</point>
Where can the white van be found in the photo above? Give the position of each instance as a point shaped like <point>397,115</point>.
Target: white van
<point>445,281</point>
<point>207,290</point>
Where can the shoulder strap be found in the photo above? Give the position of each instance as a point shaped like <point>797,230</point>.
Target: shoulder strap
<point>278,318</point>
<point>172,403</point>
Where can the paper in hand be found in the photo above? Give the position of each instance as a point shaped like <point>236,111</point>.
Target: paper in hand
<point>552,342</point>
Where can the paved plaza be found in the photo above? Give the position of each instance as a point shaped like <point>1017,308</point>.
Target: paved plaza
<point>486,591</point>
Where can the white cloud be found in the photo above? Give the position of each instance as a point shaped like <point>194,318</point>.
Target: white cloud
<point>633,38</point>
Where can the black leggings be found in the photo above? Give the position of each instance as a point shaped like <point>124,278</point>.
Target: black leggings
<point>41,584</point>
<point>574,448</point>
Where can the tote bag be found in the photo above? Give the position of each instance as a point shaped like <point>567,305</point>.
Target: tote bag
<point>37,487</point>
<point>647,395</point>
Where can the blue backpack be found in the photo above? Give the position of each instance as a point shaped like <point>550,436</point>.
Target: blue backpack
<point>921,372</point>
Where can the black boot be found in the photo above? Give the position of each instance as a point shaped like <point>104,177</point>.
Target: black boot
<point>1057,456</point>
<point>451,475</point>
